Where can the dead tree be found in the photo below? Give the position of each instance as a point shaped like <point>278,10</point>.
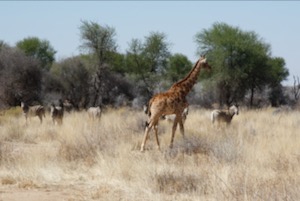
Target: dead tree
<point>296,88</point>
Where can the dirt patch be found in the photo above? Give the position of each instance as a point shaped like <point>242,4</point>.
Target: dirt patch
<point>15,193</point>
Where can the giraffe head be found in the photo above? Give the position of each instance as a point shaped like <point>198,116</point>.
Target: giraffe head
<point>204,62</point>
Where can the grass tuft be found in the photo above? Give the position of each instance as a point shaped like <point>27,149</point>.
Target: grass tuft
<point>170,183</point>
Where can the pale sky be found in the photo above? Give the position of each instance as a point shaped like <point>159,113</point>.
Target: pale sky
<point>277,22</point>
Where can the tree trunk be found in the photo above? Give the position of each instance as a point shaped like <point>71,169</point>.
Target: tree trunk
<point>251,97</point>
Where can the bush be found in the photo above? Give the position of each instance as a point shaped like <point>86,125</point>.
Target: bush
<point>20,78</point>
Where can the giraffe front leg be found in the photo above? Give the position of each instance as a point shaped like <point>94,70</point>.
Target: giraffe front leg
<point>41,119</point>
<point>147,130</point>
<point>173,131</point>
<point>156,136</point>
<point>26,117</point>
<point>181,127</point>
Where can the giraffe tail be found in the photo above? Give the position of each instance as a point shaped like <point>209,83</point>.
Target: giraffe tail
<point>213,116</point>
<point>147,108</point>
<point>148,113</point>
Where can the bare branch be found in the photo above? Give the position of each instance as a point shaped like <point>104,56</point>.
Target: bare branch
<point>296,88</point>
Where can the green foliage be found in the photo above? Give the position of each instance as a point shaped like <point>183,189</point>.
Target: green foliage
<point>275,76</point>
<point>74,78</point>
<point>135,59</point>
<point>241,61</point>
<point>98,40</point>
<point>277,72</point>
<point>39,49</point>
<point>118,63</point>
<point>147,61</point>
<point>20,78</point>
<point>156,52</point>
<point>178,67</point>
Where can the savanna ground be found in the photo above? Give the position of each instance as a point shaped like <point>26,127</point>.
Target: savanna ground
<point>256,158</point>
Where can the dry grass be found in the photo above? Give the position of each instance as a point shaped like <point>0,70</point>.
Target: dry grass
<point>256,158</point>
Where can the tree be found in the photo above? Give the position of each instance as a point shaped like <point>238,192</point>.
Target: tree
<point>241,62</point>
<point>156,52</point>
<point>178,66</point>
<point>296,88</point>
<point>276,75</point>
<point>20,78</point>
<point>74,78</point>
<point>3,45</point>
<point>147,61</point>
<point>98,40</point>
<point>38,49</point>
<point>118,63</point>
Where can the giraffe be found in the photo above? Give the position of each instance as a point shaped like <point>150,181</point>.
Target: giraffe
<point>172,101</point>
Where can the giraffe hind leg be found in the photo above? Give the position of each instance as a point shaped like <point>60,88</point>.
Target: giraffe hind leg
<point>41,118</point>
<point>147,130</point>
<point>181,127</point>
<point>156,136</point>
<point>173,131</point>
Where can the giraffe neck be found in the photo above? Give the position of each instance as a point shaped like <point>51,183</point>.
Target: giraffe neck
<point>185,85</point>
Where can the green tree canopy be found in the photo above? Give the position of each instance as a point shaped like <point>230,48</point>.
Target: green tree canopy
<point>241,61</point>
<point>156,52</point>
<point>98,40</point>
<point>147,60</point>
<point>178,66</point>
<point>74,78</point>
<point>20,78</point>
<point>39,49</point>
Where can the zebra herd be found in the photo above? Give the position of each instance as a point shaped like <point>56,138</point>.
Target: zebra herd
<point>56,112</point>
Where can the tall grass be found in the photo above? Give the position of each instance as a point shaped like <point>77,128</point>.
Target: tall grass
<point>257,157</point>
